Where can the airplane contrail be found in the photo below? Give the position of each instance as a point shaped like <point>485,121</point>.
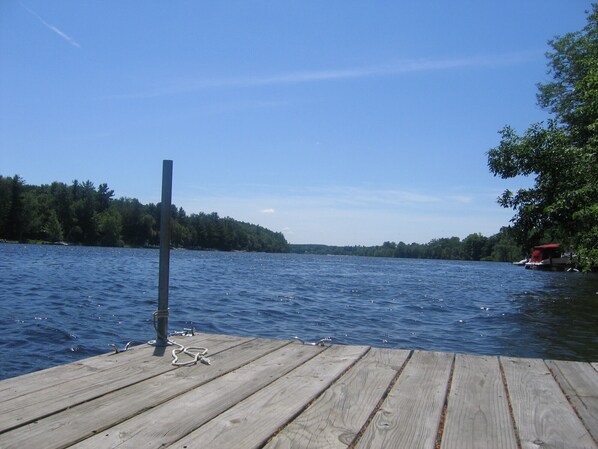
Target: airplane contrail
<point>51,27</point>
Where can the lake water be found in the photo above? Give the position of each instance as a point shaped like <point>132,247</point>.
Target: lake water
<point>60,304</point>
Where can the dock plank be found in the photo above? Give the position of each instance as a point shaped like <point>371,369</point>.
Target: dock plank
<point>579,381</point>
<point>410,416</point>
<point>542,414</point>
<point>38,380</point>
<point>336,417</point>
<point>167,423</point>
<point>77,423</point>
<point>478,414</point>
<point>280,394</point>
<point>30,407</point>
<point>250,423</point>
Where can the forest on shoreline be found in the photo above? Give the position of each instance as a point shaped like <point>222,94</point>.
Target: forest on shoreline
<point>81,214</point>
<point>500,247</point>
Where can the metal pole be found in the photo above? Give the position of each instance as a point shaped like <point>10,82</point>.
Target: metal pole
<point>162,314</point>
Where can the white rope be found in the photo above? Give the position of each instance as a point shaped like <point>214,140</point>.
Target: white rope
<point>197,353</point>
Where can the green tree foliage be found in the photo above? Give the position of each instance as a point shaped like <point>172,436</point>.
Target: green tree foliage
<point>109,226</point>
<point>14,226</point>
<point>474,246</point>
<point>504,247</point>
<point>53,228</point>
<point>562,155</point>
<point>500,247</point>
<point>82,214</point>
<point>5,202</point>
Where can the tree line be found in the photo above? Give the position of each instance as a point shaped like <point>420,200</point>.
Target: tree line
<point>500,247</point>
<point>82,214</point>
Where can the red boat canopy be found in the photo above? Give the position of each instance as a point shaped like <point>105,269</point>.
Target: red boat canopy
<point>541,252</point>
<point>548,246</point>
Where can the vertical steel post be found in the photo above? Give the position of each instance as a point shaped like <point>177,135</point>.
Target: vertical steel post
<point>162,314</point>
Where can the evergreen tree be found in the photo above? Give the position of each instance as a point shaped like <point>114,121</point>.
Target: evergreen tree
<point>15,220</point>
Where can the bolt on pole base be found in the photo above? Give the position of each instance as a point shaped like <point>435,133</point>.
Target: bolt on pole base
<point>160,343</point>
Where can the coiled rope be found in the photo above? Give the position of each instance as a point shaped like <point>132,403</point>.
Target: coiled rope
<point>197,353</point>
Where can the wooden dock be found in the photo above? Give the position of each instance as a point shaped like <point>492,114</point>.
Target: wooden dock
<point>260,393</point>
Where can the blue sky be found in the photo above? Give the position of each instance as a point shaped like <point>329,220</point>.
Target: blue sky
<point>337,122</point>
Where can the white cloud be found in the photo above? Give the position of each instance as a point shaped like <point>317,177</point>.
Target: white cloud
<point>288,232</point>
<point>350,215</point>
<point>181,86</point>
<point>461,199</point>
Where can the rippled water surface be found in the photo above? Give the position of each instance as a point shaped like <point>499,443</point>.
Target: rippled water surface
<point>59,304</point>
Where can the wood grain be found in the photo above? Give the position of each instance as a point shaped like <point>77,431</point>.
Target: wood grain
<point>281,394</point>
<point>176,418</point>
<point>338,415</point>
<point>478,411</point>
<point>542,414</point>
<point>33,382</point>
<point>59,396</point>
<point>410,415</point>
<point>38,380</point>
<point>251,422</point>
<point>85,420</point>
<point>579,381</point>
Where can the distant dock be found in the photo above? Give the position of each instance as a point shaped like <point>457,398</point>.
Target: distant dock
<point>260,393</point>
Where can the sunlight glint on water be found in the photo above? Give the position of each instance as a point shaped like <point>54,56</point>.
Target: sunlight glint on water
<point>59,304</point>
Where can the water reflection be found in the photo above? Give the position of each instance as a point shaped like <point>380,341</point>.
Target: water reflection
<point>559,317</point>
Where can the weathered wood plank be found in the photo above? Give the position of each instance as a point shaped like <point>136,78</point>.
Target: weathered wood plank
<point>250,423</point>
<point>259,392</point>
<point>29,407</point>
<point>579,381</point>
<point>77,423</point>
<point>336,417</point>
<point>410,415</point>
<point>38,380</point>
<point>174,419</point>
<point>478,411</point>
<point>542,414</point>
